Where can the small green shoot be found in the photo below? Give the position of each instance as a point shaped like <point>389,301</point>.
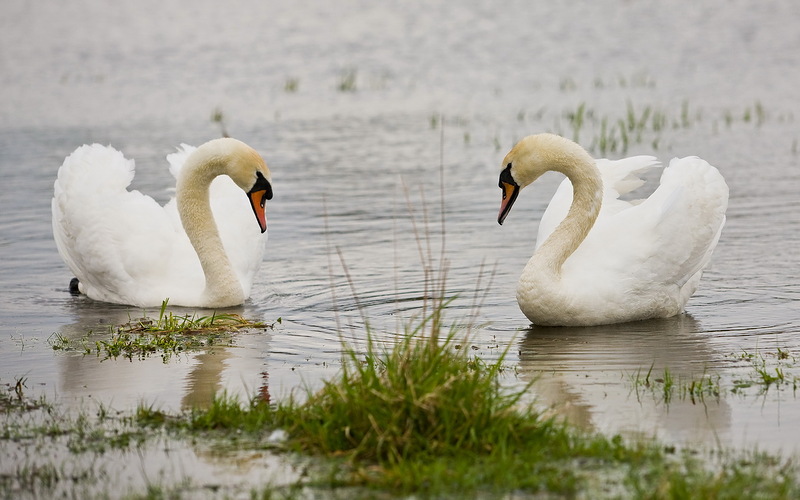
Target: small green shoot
<point>219,118</point>
<point>291,85</point>
<point>347,80</point>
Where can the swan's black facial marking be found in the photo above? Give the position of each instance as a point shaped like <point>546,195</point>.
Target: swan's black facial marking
<point>505,176</point>
<point>510,191</point>
<point>262,184</point>
<point>258,196</point>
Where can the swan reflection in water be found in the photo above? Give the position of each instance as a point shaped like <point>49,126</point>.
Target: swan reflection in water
<point>588,376</point>
<point>184,381</point>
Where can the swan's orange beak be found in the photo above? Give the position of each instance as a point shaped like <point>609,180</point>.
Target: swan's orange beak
<point>258,199</point>
<point>510,192</point>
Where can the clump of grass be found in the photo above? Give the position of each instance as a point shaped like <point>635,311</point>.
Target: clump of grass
<point>576,119</point>
<point>168,322</point>
<point>167,335</point>
<point>420,397</point>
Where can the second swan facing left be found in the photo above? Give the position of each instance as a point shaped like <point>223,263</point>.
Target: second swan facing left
<point>600,259</point>
<point>202,249</point>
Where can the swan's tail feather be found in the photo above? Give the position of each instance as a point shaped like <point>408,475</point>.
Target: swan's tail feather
<point>93,167</point>
<point>90,171</point>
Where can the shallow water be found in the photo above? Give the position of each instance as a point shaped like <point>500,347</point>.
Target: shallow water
<point>146,77</point>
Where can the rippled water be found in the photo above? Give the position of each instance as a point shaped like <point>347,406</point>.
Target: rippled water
<point>346,156</point>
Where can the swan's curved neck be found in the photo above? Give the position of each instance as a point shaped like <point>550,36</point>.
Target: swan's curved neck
<point>194,206</point>
<point>587,198</point>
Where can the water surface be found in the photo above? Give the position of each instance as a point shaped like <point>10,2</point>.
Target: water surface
<point>440,91</point>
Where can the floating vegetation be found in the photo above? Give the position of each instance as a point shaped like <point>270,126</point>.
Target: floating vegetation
<point>167,335</point>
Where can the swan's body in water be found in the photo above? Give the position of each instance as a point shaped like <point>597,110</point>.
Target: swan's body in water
<point>602,260</point>
<point>202,249</point>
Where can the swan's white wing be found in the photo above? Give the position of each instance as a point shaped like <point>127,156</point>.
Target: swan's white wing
<point>620,177</point>
<point>118,243</point>
<point>660,244</point>
<point>693,199</point>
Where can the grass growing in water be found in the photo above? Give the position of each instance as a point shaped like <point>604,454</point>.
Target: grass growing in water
<point>168,334</point>
<point>347,80</point>
<point>765,371</point>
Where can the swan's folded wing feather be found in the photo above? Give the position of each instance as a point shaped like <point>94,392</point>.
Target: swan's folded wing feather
<point>620,177</point>
<point>665,240</point>
<point>115,241</point>
<point>692,213</point>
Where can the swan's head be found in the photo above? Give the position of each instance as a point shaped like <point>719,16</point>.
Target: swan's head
<point>250,172</point>
<point>528,160</point>
<point>247,169</point>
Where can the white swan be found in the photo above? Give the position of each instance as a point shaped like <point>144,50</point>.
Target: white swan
<point>202,249</point>
<point>602,260</point>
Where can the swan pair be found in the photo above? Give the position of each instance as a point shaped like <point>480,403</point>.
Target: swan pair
<point>599,259</point>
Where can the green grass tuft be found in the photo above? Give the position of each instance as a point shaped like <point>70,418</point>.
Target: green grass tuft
<point>166,335</point>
